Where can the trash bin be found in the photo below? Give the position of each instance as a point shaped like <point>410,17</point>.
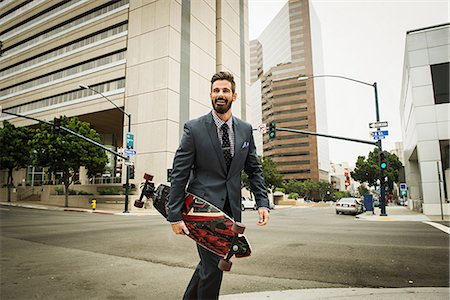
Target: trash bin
<point>368,202</point>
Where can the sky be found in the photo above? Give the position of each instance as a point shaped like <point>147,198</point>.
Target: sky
<point>363,40</point>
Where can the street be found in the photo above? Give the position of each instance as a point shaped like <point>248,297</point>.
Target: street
<point>70,255</point>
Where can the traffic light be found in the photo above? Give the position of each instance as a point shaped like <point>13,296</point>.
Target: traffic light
<point>384,160</point>
<point>169,175</point>
<point>56,125</point>
<point>132,172</point>
<point>272,130</point>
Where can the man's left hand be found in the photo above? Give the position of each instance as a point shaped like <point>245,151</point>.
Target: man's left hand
<point>263,216</point>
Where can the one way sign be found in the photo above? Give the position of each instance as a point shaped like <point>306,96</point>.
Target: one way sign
<point>378,124</point>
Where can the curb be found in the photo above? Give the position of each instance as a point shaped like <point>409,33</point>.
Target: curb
<point>79,210</point>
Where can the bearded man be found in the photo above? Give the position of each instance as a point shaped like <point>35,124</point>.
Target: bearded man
<point>213,151</point>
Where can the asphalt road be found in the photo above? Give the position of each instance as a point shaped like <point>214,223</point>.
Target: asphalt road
<point>69,255</point>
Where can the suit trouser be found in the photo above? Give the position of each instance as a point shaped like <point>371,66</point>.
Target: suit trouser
<point>207,278</point>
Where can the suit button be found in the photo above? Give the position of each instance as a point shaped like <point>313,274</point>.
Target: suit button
<point>222,199</point>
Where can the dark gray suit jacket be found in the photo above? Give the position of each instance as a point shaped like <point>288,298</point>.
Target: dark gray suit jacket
<point>199,161</point>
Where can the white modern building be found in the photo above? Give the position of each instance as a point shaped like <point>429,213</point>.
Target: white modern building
<point>154,59</point>
<point>425,118</point>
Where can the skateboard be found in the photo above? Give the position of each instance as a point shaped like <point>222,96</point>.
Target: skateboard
<point>208,226</point>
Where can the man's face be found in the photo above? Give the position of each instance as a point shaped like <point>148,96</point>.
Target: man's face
<point>222,96</point>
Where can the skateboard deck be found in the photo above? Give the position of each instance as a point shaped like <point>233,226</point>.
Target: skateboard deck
<point>208,226</point>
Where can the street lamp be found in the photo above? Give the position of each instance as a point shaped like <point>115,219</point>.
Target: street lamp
<point>127,183</point>
<point>303,77</point>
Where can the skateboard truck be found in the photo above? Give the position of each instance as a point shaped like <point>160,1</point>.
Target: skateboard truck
<point>235,247</point>
<point>147,190</point>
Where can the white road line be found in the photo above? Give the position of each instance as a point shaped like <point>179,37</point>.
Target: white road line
<point>4,208</point>
<point>439,226</point>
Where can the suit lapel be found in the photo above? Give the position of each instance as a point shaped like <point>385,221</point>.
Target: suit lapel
<point>212,132</point>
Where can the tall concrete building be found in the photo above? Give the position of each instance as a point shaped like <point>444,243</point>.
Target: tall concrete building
<point>154,59</point>
<point>288,47</point>
<point>425,118</point>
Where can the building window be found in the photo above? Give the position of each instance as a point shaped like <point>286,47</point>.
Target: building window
<point>440,77</point>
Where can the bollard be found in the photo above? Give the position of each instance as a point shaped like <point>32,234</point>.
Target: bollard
<point>93,204</point>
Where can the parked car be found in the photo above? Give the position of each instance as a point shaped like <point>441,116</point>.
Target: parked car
<point>247,202</point>
<point>349,206</point>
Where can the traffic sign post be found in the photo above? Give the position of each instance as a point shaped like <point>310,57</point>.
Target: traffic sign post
<point>378,124</point>
<point>130,152</point>
<point>130,140</point>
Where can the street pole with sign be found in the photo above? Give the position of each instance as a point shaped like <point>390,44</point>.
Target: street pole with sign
<point>127,182</point>
<point>303,77</point>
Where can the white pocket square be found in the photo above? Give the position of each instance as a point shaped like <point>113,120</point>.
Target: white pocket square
<point>245,145</point>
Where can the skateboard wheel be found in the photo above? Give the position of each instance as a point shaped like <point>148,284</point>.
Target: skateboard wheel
<point>224,265</point>
<point>238,228</point>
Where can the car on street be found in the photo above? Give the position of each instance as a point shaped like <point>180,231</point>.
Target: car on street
<point>349,206</point>
<point>247,202</point>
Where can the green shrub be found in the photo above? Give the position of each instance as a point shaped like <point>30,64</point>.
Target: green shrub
<point>279,189</point>
<point>59,191</point>
<point>109,191</point>
<point>293,196</point>
<point>84,193</point>
<point>72,192</point>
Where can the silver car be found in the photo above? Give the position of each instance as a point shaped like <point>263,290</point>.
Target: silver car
<point>248,203</point>
<point>349,206</point>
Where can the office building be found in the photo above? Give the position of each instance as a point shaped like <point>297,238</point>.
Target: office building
<point>425,118</point>
<point>289,46</point>
<point>153,59</point>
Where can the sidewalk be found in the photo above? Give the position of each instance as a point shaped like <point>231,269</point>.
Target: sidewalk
<point>400,213</point>
<point>36,205</point>
<point>347,293</point>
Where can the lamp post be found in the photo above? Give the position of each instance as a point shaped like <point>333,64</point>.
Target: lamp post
<point>127,183</point>
<point>303,77</point>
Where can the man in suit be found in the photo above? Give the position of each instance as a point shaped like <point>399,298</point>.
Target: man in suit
<point>213,151</point>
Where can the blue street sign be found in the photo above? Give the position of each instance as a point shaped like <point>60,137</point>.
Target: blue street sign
<point>379,133</point>
<point>378,137</point>
<point>130,152</point>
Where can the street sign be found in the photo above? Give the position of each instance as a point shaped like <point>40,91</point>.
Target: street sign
<point>262,128</point>
<point>379,133</point>
<point>378,137</point>
<point>130,152</point>
<point>130,140</point>
<point>378,124</point>
<point>128,163</point>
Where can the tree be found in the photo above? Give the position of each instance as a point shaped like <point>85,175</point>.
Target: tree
<point>309,186</point>
<point>324,189</point>
<point>272,176</point>
<point>15,151</point>
<point>295,186</point>
<point>369,171</point>
<point>66,153</point>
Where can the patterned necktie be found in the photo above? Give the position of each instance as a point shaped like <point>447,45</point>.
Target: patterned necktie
<point>226,146</point>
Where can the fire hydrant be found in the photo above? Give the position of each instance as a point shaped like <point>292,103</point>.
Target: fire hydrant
<point>93,204</point>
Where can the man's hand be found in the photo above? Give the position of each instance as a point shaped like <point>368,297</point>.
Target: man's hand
<point>180,228</point>
<point>263,216</point>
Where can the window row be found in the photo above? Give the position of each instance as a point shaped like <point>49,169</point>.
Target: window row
<point>66,48</point>
<point>69,96</point>
<point>36,18</point>
<point>65,26</point>
<point>64,73</point>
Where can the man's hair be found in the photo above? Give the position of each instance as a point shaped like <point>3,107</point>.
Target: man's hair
<point>224,76</point>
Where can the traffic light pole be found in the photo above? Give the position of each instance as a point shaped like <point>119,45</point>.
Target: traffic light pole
<point>380,149</point>
<point>127,182</point>
<point>378,143</point>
